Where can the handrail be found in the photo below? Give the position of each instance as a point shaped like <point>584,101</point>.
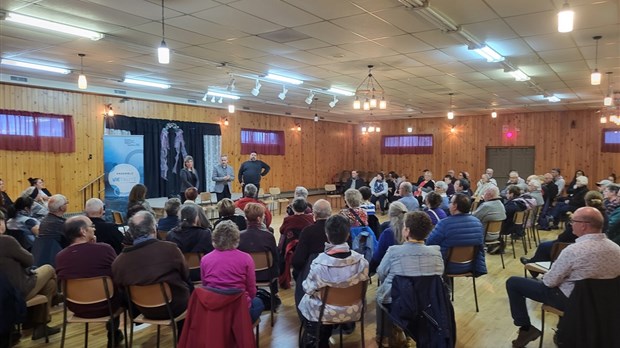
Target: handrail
<point>92,182</point>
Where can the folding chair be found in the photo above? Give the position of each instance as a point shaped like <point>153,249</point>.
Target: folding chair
<point>463,255</point>
<point>494,227</point>
<point>263,261</point>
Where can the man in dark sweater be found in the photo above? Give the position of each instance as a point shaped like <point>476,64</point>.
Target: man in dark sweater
<point>106,232</point>
<point>251,171</point>
<point>85,258</point>
<point>150,261</point>
<point>52,224</point>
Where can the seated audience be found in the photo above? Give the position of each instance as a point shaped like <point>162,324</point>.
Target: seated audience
<point>16,264</point>
<point>6,203</point>
<point>543,253</point>
<point>593,256</point>
<point>137,201</point>
<point>441,188</point>
<point>23,222</point>
<point>433,208</point>
<point>300,192</point>
<point>392,235</point>
<point>226,267</point>
<point>151,261</point>
<point>228,212</point>
<point>257,238</point>
<point>354,213</point>
<point>449,181</point>
<point>312,238</point>
<point>424,186</point>
<point>52,225</point>
<point>249,192</point>
<point>390,180</point>
<point>85,258</point>
<point>513,179</point>
<point>338,266</point>
<point>534,189</point>
<point>354,182</point>
<point>491,209</point>
<point>42,193</point>
<point>611,200</point>
<point>106,232</point>
<point>549,192</point>
<point>379,190</point>
<point>39,208</point>
<point>462,186</point>
<point>190,237</point>
<point>369,208</point>
<point>289,236</point>
<point>483,184</point>
<point>406,194</point>
<point>572,185</point>
<point>460,229</point>
<point>571,203</point>
<point>411,259</point>
<point>171,207</point>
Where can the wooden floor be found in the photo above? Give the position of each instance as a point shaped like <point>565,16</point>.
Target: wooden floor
<point>491,327</point>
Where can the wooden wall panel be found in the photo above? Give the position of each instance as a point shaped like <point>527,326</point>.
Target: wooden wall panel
<point>569,140</point>
<point>312,155</point>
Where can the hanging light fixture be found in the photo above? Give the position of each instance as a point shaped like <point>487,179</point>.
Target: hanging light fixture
<point>163,52</point>
<point>595,77</point>
<point>451,113</point>
<point>226,121</point>
<point>494,114</point>
<point>231,108</point>
<point>316,117</point>
<point>565,18</point>
<point>369,89</point>
<point>609,99</point>
<point>82,83</point>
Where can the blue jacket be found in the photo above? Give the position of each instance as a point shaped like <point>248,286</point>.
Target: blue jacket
<point>459,230</point>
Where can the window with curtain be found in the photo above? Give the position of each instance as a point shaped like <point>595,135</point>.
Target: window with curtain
<point>34,131</point>
<point>264,142</point>
<point>407,144</point>
<point>610,140</point>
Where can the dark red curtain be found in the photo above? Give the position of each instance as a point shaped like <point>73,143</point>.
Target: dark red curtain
<point>264,142</point>
<point>421,144</point>
<point>610,141</point>
<point>34,131</point>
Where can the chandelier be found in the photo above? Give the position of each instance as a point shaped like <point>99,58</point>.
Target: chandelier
<point>371,127</point>
<point>368,92</point>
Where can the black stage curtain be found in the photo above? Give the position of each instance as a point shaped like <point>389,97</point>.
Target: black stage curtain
<point>193,133</point>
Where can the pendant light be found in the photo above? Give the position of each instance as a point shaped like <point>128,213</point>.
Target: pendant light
<point>451,113</point>
<point>609,99</point>
<point>595,77</point>
<point>82,83</point>
<point>163,52</point>
<point>565,18</point>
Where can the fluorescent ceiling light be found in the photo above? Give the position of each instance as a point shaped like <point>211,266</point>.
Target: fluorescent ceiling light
<point>223,95</point>
<point>284,79</point>
<point>147,83</point>
<point>489,54</point>
<point>519,75</point>
<point>553,99</point>
<point>47,25</point>
<point>35,66</point>
<point>341,91</point>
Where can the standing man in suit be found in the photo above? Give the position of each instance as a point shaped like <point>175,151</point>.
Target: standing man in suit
<point>252,171</point>
<point>354,181</point>
<point>223,175</point>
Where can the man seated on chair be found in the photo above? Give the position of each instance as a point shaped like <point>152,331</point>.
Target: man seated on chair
<point>51,225</point>
<point>172,207</point>
<point>151,261</point>
<point>593,256</point>
<point>460,229</point>
<point>16,264</point>
<point>249,192</point>
<point>405,191</point>
<point>338,266</point>
<point>513,179</point>
<point>106,232</point>
<point>462,186</point>
<point>85,258</point>
<point>354,182</point>
<point>491,209</point>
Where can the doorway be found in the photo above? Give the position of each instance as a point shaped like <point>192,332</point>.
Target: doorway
<point>505,159</point>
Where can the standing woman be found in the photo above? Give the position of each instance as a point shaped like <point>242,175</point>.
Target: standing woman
<point>189,177</point>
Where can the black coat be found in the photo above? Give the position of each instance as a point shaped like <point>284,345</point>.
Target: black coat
<point>421,307</point>
<point>358,184</point>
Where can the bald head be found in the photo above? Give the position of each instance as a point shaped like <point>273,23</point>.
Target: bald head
<point>587,220</point>
<point>321,209</point>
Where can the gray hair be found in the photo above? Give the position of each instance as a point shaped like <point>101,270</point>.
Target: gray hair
<point>172,206</point>
<point>583,180</point>
<point>141,224</point>
<point>250,190</point>
<point>353,198</point>
<point>189,214</point>
<point>397,213</point>
<point>56,202</point>
<point>322,209</point>
<point>441,185</point>
<point>226,236</point>
<point>301,191</point>
<point>493,190</point>
<point>93,206</point>
<point>406,185</point>
<point>535,184</point>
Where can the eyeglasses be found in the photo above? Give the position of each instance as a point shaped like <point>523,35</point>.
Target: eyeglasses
<point>582,221</point>
<point>92,225</point>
